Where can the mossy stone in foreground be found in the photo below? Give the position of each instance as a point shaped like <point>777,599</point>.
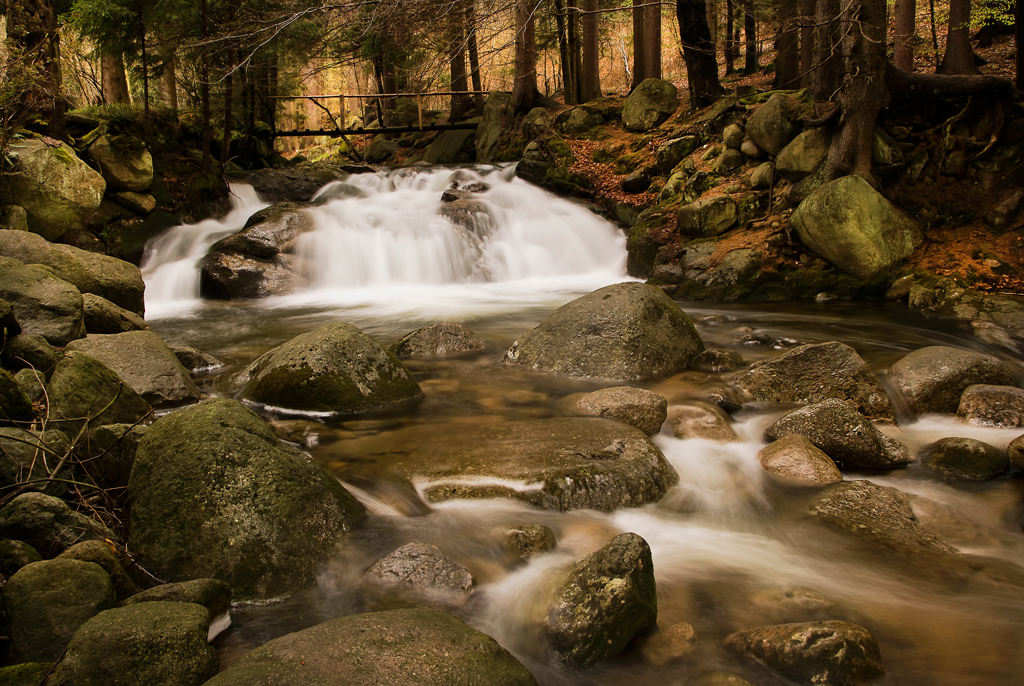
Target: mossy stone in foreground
<point>215,494</point>
<point>335,369</point>
<point>25,674</point>
<point>418,646</point>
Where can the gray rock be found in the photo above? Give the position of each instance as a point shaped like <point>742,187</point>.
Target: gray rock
<point>139,203</point>
<point>124,162</point>
<point>721,679</point>
<point>144,362</point>
<point>988,405</point>
<point>728,162</point>
<point>724,397</point>
<point>885,152</point>
<point>832,653</point>
<point>717,360</point>
<point>111,449</point>
<point>47,601</point>
<point>770,126</point>
<point>803,155</point>
<point>843,434</point>
<point>297,183</point>
<point>697,419</point>
<point>607,600</point>
<point>380,149</point>
<point>334,369</point>
<point>194,360</point>
<point>934,378</point>
<point>43,304</point>
<point>637,181</point>
<point>882,515</point>
<point>437,340</point>
<point>15,406</point>
<point>750,149</point>
<point>855,228</point>
<point>213,594</point>
<point>100,553</point>
<point>57,190</point>
<point>707,217</point>
<point>761,177</point>
<point>118,281</point>
<point>48,525</point>
<point>419,646</point>
<point>796,458</point>
<point>103,316</point>
<point>579,120</point>
<point>32,351</point>
<point>649,105</point>
<point>815,372</point>
<point>672,152</point>
<point>422,571</point>
<point>31,383</point>
<point>268,232</point>
<point>965,458</point>
<point>14,555</point>
<point>14,217</point>
<point>732,136</point>
<point>628,332</point>
<point>639,407</point>
<point>491,126</point>
<point>452,147</point>
<point>29,456</point>
<point>162,644</point>
<point>1016,452</point>
<point>1000,215</point>
<point>528,540</point>
<point>83,389</point>
<point>216,494</point>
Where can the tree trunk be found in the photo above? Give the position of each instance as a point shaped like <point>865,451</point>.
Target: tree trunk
<point>698,53</point>
<point>169,83</point>
<point>806,42</point>
<point>787,61</point>
<point>204,86</point>
<point>474,59</point>
<point>639,51</point>
<point>564,54</point>
<point>959,57</point>
<point>525,82</point>
<point>229,91</point>
<point>750,65</point>
<point>652,41</point>
<point>575,57</point>
<point>591,82</point>
<point>903,35</point>
<point>141,8</point>
<point>730,42</point>
<point>113,78</point>
<point>1018,42</point>
<point>711,12</point>
<point>828,52</point>
<point>457,54</point>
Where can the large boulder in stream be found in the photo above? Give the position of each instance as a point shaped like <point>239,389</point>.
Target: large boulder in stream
<point>934,378</point>
<point>437,340</point>
<point>639,407</point>
<point>295,184</point>
<point>816,372</point>
<point>956,457</point>
<point>42,303</point>
<point>416,646</point>
<point>214,493</point>
<point>627,332</point>
<point>335,369</point>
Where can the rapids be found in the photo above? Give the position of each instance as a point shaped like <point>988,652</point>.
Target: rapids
<point>726,542</point>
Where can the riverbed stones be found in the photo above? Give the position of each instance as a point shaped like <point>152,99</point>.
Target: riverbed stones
<point>770,126</point>
<point>878,513</point>
<point>43,304</point>
<point>335,369</point>
<point>103,316</point>
<point>627,332</point>
<point>421,646</point>
<point>649,105</point>
<point>48,524</point>
<point>214,493</point>
<point>934,378</point>
<point>159,643</point>
<point>965,458</point>
<point>1016,452</point>
<point>234,276</point>
<point>608,599</point>
<point>527,540</point>
<point>124,161</point>
<point>47,601</point>
<point>855,228</point>
<point>293,184</point>
<point>795,458</point>
<point>696,419</point>
<point>834,427</point>
<point>57,190</point>
<point>84,390</point>
<point>815,372</point>
<point>989,405</point>
<point>831,653</point>
<point>639,407</point>
<point>195,360</point>
<point>422,570</point>
<point>715,360</point>
<point>437,340</point>
<point>269,231</point>
<point>668,645</point>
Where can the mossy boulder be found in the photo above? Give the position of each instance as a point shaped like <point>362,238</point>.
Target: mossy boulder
<point>16,554</point>
<point>43,304</point>
<point>491,126</point>
<point>214,493</point>
<point>296,183</point>
<point>771,126</point>
<point>213,594</point>
<point>160,643</point>
<point>15,405</point>
<point>934,378</point>
<point>707,217</point>
<point>111,449</point>
<point>48,524</point>
<point>83,389</point>
<point>335,369</point>
<point>103,316</point>
<point>26,456</point>
<point>28,350</point>
<point>628,332</point>
<point>24,674</point>
<point>802,156</point>
<point>425,647</point>
<point>672,152</point>
<point>124,162</point>
<point>578,120</point>
<point>452,147</point>
<point>649,105</point>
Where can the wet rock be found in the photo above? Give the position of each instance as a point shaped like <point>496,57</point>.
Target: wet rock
<point>47,601</point>
<point>722,679</point>
<point>629,331</point>
<point>216,494</point>
<point>339,190</point>
<point>802,156</point>
<point>834,427</point>
<point>815,372</point>
<point>829,653</point>
<point>100,553</point>
<point>707,217</point>
<point>528,540</point>
<point>700,420</point>
<point>717,360</point>
<point>233,276</point>
<point>30,456</point>
<point>29,351</point>
<point>213,594</point>
<point>195,360</point>
<point>15,405</point>
<point>881,514</point>
<point>855,228</point>
<point>144,362</point>
<point>670,644</point>
<point>421,646</point>
<point>14,555</point>
<point>724,397</point>
<point>103,316</point>
<point>1016,452</point>
<point>761,177</point>
<point>796,458</point>
<point>934,378</point>
<point>162,644</point>
<point>649,105</point>
<point>770,126</point>
<point>637,407</point>
<point>124,162</point>
<point>422,571</point>
<point>269,231</point>
<point>294,184</point>
<point>607,600</point>
<point>48,525</point>
<point>988,405</point>
<point>83,389</point>
<point>965,458</point>
<point>335,369</point>
<point>672,152</point>
<point>43,304</point>
<point>437,340</point>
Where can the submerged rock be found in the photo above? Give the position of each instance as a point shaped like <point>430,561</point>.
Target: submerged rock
<point>194,360</point>
<point>965,458</point>
<point>420,646</point>
<point>629,331</point>
<point>717,360</point>
<point>609,598</point>
<point>989,405</point>
<point>794,457</point>
<point>934,378</point>
<point>335,369</point>
<point>697,419</point>
<point>437,340</point>
<point>528,540</point>
<point>639,407</point>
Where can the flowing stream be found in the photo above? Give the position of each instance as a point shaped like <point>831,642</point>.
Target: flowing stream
<point>732,549</point>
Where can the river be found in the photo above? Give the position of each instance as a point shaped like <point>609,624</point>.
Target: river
<point>732,548</point>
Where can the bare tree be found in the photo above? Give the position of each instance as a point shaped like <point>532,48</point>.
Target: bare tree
<point>806,41</point>
<point>787,61</point>
<point>591,81</point>
<point>652,40</point>
<point>114,79</point>
<point>903,35</point>
<point>525,81</point>
<point>730,41</point>
<point>750,64</point>
<point>959,57</point>
<point>698,53</point>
